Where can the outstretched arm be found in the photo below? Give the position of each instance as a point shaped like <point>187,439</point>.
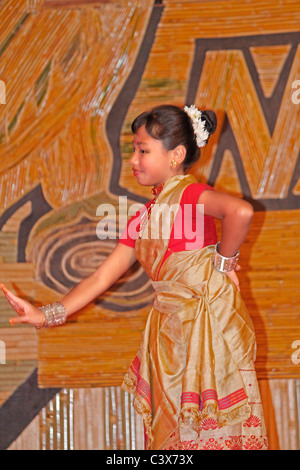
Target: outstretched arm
<point>115,265</point>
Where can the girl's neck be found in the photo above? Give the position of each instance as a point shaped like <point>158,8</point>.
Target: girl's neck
<point>157,188</point>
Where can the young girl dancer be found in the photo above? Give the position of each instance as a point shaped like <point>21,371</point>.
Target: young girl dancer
<point>193,378</point>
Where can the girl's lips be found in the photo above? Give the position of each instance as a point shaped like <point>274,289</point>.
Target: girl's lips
<point>136,172</point>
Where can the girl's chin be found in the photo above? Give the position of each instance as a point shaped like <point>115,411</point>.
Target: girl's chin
<point>142,179</point>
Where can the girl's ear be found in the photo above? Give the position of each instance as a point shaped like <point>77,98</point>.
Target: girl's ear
<point>179,153</point>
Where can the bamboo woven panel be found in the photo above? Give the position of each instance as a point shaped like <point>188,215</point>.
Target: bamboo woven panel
<point>286,400</point>
<point>227,18</point>
<point>269,62</point>
<point>89,353</point>
<point>65,87</point>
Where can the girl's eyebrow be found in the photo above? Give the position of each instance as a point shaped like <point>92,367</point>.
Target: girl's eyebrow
<point>135,142</point>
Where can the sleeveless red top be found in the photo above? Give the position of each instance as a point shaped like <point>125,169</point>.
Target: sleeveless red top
<point>189,239</point>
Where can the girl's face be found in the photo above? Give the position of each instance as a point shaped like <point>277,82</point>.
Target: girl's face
<point>150,160</point>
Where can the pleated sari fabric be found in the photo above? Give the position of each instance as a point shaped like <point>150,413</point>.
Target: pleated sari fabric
<point>193,378</point>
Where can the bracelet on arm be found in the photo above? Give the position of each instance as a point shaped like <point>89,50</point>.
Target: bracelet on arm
<point>55,315</point>
<point>223,264</point>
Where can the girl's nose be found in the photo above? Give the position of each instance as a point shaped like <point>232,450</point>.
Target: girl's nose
<point>133,158</point>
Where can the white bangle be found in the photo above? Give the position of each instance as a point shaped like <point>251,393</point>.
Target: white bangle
<point>55,315</point>
<point>223,264</point>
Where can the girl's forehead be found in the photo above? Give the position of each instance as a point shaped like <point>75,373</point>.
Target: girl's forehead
<point>137,141</point>
<point>141,136</point>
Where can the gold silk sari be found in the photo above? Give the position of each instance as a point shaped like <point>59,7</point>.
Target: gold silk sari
<point>193,378</point>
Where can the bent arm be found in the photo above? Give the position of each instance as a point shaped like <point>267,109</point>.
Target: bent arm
<point>115,265</point>
<point>236,216</point>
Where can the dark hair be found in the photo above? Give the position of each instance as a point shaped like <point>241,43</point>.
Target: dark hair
<point>173,127</point>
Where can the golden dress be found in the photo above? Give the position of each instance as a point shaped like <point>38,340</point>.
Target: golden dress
<point>193,378</point>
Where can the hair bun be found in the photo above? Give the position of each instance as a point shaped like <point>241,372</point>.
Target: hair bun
<point>210,119</point>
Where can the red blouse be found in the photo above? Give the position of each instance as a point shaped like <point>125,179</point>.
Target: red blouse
<point>191,230</point>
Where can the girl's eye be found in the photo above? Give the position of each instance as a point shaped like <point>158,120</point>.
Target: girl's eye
<point>141,151</point>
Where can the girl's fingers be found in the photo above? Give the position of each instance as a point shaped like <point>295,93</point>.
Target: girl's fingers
<point>7,292</point>
<point>16,306</point>
<point>15,320</point>
<point>27,313</point>
<point>3,287</point>
<point>233,277</point>
<point>14,301</point>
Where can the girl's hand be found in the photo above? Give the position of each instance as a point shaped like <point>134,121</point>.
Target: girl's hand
<point>233,276</point>
<point>27,313</point>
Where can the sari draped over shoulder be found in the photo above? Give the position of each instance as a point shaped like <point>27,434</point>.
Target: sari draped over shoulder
<point>193,378</point>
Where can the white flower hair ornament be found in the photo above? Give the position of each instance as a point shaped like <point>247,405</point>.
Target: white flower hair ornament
<point>198,124</point>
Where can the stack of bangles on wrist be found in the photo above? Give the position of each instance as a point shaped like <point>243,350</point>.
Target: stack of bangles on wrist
<point>55,315</point>
<point>223,264</point>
